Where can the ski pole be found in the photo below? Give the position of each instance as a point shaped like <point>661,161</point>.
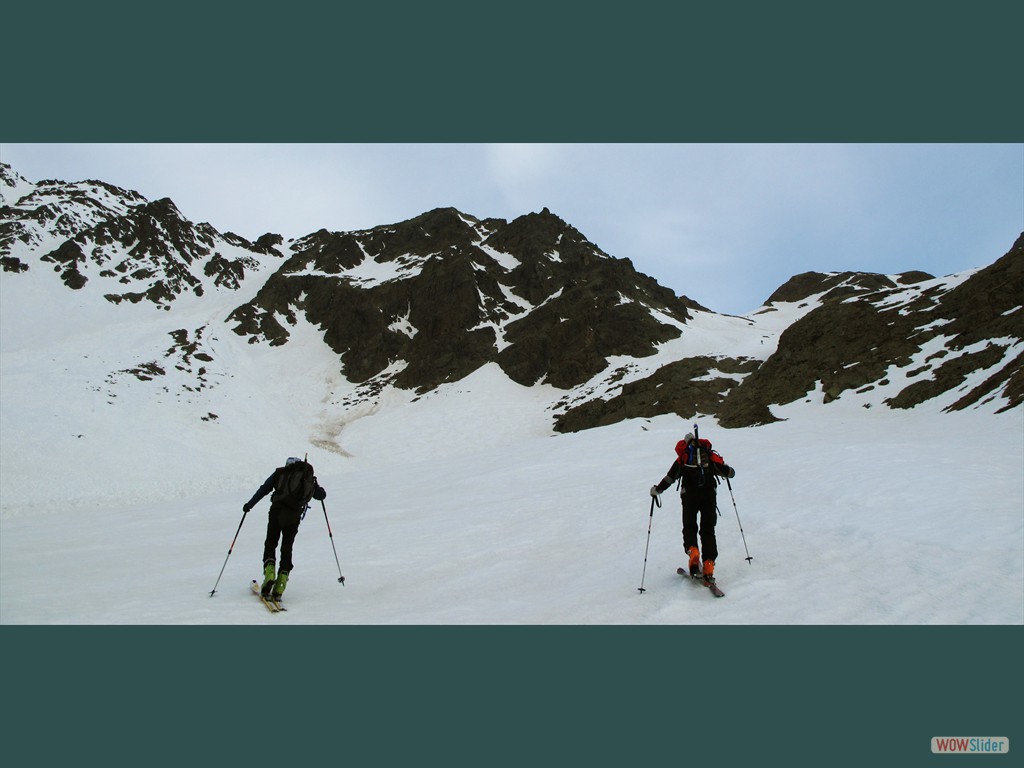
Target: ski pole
<point>244,513</point>
<point>654,499</point>
<point>748,557</point>
<point>330,535</point>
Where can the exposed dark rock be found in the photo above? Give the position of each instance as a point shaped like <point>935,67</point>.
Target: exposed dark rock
<point>13,264</point>
<point>850,344</point>
<point>681,387</point>
<point>68,257</point>
<point>328,252</point>
<point>950,375</point>
<point>912,278</point>
<point>834,286</point>
<point>268,243</point>
<point>845,345</point>
<point>452,296</point>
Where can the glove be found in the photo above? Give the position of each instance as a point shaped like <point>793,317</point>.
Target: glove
<point>246,507</point>
<point>730,472</point>
<point>654,491</point>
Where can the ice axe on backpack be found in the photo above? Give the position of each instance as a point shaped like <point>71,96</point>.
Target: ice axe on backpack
<point>341,579</point>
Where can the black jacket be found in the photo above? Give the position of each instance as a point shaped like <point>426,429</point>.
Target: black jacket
<point>271,482</point>
<point>696,479</point>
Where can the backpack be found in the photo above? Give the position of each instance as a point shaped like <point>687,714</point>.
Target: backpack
<point>295,485</point>
<point>687,453</point>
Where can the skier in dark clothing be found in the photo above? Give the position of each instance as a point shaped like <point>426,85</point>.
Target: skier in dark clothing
<point>698,467</point>
<point>293,486</point>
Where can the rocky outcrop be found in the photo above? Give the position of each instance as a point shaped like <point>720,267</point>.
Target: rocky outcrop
<point>444,293</point>
<point>686,387</point>
<point>853,341</point>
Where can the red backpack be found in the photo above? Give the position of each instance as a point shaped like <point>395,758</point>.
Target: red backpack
<point>687,453</point>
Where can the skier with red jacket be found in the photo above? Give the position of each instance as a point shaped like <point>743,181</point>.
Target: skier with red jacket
<point>698,468</point>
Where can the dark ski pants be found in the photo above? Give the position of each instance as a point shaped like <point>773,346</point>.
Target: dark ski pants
<point>280,525</point>
<point>703,506</point>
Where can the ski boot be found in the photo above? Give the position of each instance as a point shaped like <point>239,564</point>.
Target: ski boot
<point>268,578</point>
<point>694,562</point>
<point>709,572</point>
<point>279,585</point>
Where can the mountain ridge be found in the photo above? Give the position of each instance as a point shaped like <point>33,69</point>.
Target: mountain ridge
<point>424,303</point>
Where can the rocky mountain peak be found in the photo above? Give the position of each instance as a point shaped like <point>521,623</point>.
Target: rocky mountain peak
<point>10,183</point>
<point>430,300</point>
<point>445,292</point>
<point>134,250</point>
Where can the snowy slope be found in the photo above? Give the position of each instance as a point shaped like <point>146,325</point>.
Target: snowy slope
<point>461,507</point>
<point>131,436</point>
<point>484,519</point>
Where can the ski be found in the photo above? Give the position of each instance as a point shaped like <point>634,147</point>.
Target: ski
<point>715,589</point>
<point>270,604</point>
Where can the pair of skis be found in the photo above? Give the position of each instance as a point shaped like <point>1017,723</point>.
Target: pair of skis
<point>699,579</point>
<point>274,606</point>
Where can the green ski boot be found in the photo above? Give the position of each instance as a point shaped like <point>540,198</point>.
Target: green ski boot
<point>279,585</point>
<point>268,578</point>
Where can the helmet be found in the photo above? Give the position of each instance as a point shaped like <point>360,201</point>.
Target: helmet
<point>292,460</point>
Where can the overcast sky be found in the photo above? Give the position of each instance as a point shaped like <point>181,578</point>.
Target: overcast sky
<point>725,224</point>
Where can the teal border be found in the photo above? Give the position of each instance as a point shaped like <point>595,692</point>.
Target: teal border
<point>538,71</point>
<point>505,695</point>
<point>120,72</point>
